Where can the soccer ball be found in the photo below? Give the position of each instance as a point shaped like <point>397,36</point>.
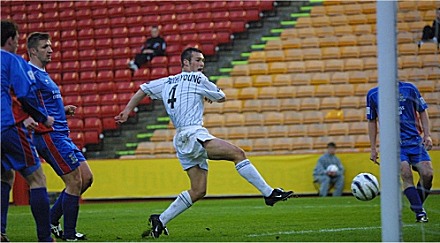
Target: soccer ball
<point>332,168</point>
<point>365,186</point>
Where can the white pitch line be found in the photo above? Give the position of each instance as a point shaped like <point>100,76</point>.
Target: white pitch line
<point>301,232</point>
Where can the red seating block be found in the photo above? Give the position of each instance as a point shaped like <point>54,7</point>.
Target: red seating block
<point>70,77</point>
<point>159,61</point>
<point>125,87</point>
<point>142,74</point>
<point>83,13</point>
<point>72,66</point>
<point>202,6</point>
<point>87,55</point>
<point>88,65</point>
<point>109,99</point>
<point>108,123</point>
<point>69,55</point>
<point>71,89</point>
<point>105,64</point>
<point>104,76</point>
<point>106,87</point>
<point>117,21</point>
<point>77,138</point>
<point>88,76</point>
<point>103,32</point>
<point>52,25</point>
<point>75,123</point>
<point>158,73</point>
<point>93,111</point>
<point>109,110</point>
<point>68,13</point>
<point>75,100</point>
<point>92,137</point>
<point>86,33</point>
<point>89,88</point>
<point>120,32</point>
<point>121,52</point>
<point>103,43</point>
<point>173,39</point>
<point>116,11</point>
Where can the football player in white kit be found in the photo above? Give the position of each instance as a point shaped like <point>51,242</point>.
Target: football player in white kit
<point>183,96</point>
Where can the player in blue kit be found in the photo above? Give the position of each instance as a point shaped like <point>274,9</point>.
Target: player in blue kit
<point>54,144</point>
<point>413,146</point>
<point>18,100</point>
<point>183,96</point>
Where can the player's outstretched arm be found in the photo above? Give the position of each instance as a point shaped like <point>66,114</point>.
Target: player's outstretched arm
<point>372,134</point>
<point>134,101</point>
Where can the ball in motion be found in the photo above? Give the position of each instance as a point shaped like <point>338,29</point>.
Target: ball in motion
<point>365,186</point>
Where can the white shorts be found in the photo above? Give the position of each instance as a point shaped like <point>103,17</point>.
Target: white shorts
<point>189,150</point>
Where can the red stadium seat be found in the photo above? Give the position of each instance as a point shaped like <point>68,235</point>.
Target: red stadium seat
<point>104,64</point>
<point>116,11</point>
<point>70,77</point>
<point>93,111</point>
<point>173,39</point>
<point>121,63</point>
<point>186,17</point>
<point>120,32</point>
<point>69,44</point>
<point>137,31</point>
<point>174,60</point>
<point>108,99</point>
<point>136,20</point>
<point>88,65</point>
<point>166,8</point>
<point>75,123</point>
<point>103,43</point>
<point>182,8</point>
<point>92,137</point>
<point>77,138</point>
<point>88,44</point>
<point>170,28</point>
<point>125,87</point>
<point>87,54</point>
<point>106,87</point>
<point>121,52</point>
<point>89,88</point>
<point>104,76</point>
<point>36,26</point>
<point>103,32</point>
<point>189,38</point>
<point>205,16</point>
<point>83,13</point>
<point>54,25</point>
<point>151,19</point>
<point>159,61</point>
<point>124,98</point>
<point>133,10</point>
<point>101,23</point>
<point>109,110</point>
<point>141,75</point>
<point>100,13</point>
<point>173,70</point>
<point>72,66</point>
<point>219,5</point>
<point>69,25</point>
<point>202,6</point>
<point>168,18</point>
<point>150,8</point>
<point>71,89</point>
<point>75,100</point>
<point>88,76</point>
<point>49,6</point>
<point>69,55</point>
<point>188,28</point>
<point>158,73</point>
<point>117,21</point>
<point>109,123</point>
<point>68,13</point>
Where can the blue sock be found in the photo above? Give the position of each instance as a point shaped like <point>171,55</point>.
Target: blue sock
<point>414,199</point>
<point>6,189</point>
<point>57,209</point>
<point>70,210</point>
<point>40,210</point>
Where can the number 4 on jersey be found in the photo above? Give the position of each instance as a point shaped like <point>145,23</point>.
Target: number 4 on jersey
<point>172,95</point>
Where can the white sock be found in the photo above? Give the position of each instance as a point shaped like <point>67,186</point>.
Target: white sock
<point>182,203</point>
<point>248,171</point>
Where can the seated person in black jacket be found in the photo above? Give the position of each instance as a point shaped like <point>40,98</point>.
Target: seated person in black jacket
<point>432,32</point>
<point>154,46</point>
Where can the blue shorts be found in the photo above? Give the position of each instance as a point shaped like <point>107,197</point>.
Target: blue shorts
<point>18,151</point>
<point>413,151</point>
<point>59,151</point>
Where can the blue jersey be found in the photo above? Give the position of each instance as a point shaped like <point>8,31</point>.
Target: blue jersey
<point>410,102</point>
<point>50,99</point>
<point>18,83</point>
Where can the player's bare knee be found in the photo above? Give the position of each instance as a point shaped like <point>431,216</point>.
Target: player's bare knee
<point>86,183</point>
<point>239,154</point>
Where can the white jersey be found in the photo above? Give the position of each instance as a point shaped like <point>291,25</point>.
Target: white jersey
<point>183,96</point>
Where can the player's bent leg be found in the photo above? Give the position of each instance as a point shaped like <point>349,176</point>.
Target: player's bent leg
<point>426,173</point>
<point>86,176</point>
<point>219,149</point>
<point>411,192</point>
<point>198,178</point>
<point>70,203</point>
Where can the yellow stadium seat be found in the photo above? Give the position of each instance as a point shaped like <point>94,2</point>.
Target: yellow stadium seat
<point>293,117</point>
<point>244,144</point>
<point>429,15</point>
<point>357,19</point>
<point>329,41</point>
<point>331,53</point>
<point>258,68</point>
<point>162,135</point>
<point>430,60</point>
<point>411,61</point>
<point>274,55</point>
<point>278,67</point>
<point>310,103</point>
<point>366,39</point>
<point>358,77</point>
<point>428,48</point>
<point>368,51</point>
<point>313,117</point>
<point>353,64</point>
<point>303,22</point>
<point>325,31</point>
<point>296,67</point>
<point>351,9</point>
<point>403,27</point>
<point>334,116</point>
<point>435,125</point>
<point>425,85</point>
<point>240,132</point>
<point>320,21</point>
<point>232,106</point>
<point>262,144</point>
<point>350,51</point>
<point>145,148</point>
<point>291,43</point>
<point>251,106</point>
<point>432,98</point>
<point>416,26</point>
<point>325,90</point>
<point>248,93</point>
<point>164,148</point>
<point>318,11</point>
<point>231,94</point>
<point>293,55</point>
<point>253,118</point>
<point>363,88</point>
<point>312,53</point>
<point>306,32</point>
<point>427,5</point>
<point>344,141</point>
<point>405,37</point>
<point>369,8</point>
<point>213,120</point>
<point>339,78</point>
<point>433,73</point>
<point>234,119</point>
<point>362,141</point>
<point>257,131</point>
<point>301,79</point>
<point>267,92</point>
<point>314,66</point>
<point>297,130</point>
<point>372,76</point>
<point>283,143</point>
<point>240,70</point>
<point>354,115</point>
<point>257,56</point>
<point>350,102</point>
<point>407,5</point>
<point>412,16</point>
<point>225,82</point>
<point>315,130</point>
<point>403,74</point>
<point>342,90</point>
<point>262,81</point>
<point>320,78</point>
<point>310,42</point>
<point>270,105</point>
<point>215,107</point>
<point>335,10</point>
<point>290,105</point>
<point>282,80</point>
<point>305,91</point>
<point>274,45</point>
<point>220,132</point>
<point>242,81</point>
<point>334,65</point>
<point>273,118</point>
<point>416,74</point>
<point>303,143</point>
<point>277,131</point>
<point>338,129</point>
<point>358,128</point>
<point>407,49</point>
<point>290,33</point>
<point>339,20</point>
<point>434,111</point>
<point>286,92</point>
<point>348,39</point>
<point>330,103</point>
<point>321,142</point>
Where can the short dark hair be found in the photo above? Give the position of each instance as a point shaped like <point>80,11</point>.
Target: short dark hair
<point>35,37</point>
<point>331,145</point>
<point>187,53</point>
<point>9,29</point>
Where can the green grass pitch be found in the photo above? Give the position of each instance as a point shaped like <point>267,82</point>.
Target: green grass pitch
<point>298,219</point>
